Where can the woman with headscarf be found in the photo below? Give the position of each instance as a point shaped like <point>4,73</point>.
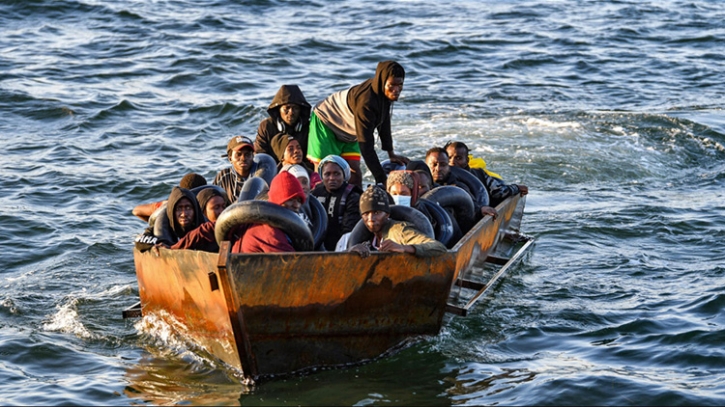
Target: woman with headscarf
<point>339,198</point>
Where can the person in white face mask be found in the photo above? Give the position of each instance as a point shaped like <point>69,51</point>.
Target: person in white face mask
<point>402,186</point>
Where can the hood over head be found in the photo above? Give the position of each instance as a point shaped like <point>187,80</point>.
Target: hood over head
<point>289,94</point>
<point>385,70</point>
<point>176,194</point>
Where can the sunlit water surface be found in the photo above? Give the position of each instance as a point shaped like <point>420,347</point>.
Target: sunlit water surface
<point>611,112</point>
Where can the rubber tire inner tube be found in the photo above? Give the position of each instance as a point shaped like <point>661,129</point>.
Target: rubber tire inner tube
<point>266,167</point>
<point>479,191</point>
<point>317,214</point>
<point>252,188</point>
<point>267,213</point>
<point>456,198</point>
<point>443,225</point>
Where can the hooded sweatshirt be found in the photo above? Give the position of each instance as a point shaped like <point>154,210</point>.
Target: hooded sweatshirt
<point>147,239</point>
<point>371,110</point>
<point>176,194</point>
<point>274,125</point>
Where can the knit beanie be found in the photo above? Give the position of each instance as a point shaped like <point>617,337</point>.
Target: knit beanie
<point>279,144</point>
<point>208,193</point>
<point>192,180</point>
<point>337,160</point>
<point>374,199</point>
<point>284,187</point>
<point>296,170</point>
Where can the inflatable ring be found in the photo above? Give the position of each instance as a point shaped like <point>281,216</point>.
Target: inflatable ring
<point>443,224</point>
<point>317,214</point>
<point>420,222</point>
<point>267,213</point>
<point>449,196</point>
<point>252,188</point>
<point>266,167</point>
<point>479,191</point>
<point>389,166</point>
<point>359,234</point>
<point>414,217</point>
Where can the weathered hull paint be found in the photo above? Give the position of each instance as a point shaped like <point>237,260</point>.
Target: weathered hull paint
<point>282,313</point>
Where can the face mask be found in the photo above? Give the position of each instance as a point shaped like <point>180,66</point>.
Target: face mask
<point>401,200</point>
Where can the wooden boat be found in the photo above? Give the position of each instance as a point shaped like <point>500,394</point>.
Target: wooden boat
<point>272,314</point>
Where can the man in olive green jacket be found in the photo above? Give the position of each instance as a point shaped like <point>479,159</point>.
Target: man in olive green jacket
<point>390,235</point>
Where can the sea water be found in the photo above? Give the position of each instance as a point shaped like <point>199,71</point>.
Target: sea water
<point>611,112</point>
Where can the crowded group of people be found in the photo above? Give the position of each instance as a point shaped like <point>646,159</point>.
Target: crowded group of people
<point>318,152</point>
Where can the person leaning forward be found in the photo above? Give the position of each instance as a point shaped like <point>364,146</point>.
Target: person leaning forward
<point>390,235</point>
<point>344,123</point>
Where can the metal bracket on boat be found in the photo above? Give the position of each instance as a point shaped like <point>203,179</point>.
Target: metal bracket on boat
<point>133,311</point>
<point>482,288</point>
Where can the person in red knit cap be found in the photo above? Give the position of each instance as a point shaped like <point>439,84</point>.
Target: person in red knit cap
<point>287,192</point>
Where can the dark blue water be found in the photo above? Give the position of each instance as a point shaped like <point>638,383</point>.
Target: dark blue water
<point>610,111</point>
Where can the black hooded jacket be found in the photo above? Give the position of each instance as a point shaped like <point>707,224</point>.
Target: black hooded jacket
<point>274,125</point>
<point>372,110</point>
<point>148,239</point>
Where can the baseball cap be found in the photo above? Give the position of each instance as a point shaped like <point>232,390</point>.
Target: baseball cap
<point>238,142</point>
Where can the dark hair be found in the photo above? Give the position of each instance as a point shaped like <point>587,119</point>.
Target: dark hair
<point>456,145</point>
<point>192,180</point>
<point>439,150</point>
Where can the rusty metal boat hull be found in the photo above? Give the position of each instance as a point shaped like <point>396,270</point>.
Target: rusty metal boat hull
<point>271,314</point>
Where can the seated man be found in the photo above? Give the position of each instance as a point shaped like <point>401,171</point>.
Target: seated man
<point>289,113</point>
<point>212,204</point>
<point>189,181</point>
<point>184,216</point>
<point>498,191</point>
<point>339,197</point>
<point>390,235</point>
<point>240,153</point>
<point>287,192</point>
<point>437,160</point>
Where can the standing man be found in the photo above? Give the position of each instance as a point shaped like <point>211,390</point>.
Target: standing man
<point>240,153</point>
<point>344,123</point>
